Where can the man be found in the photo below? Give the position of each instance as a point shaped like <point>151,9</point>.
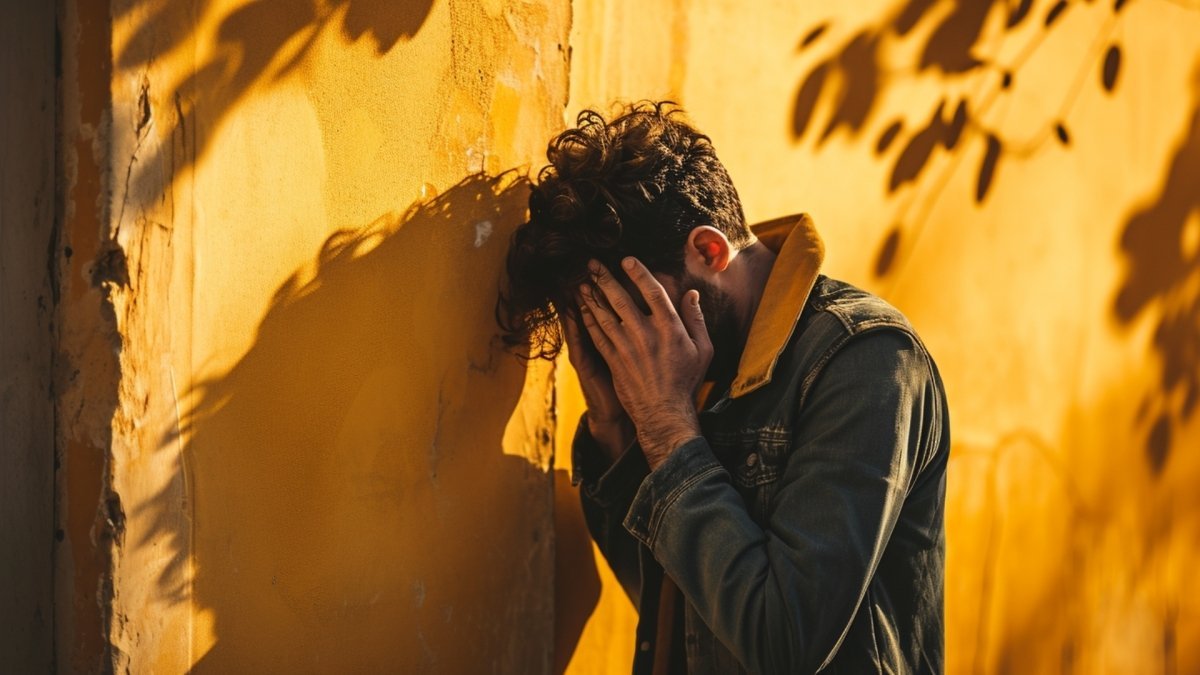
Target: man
<point>791,523</point>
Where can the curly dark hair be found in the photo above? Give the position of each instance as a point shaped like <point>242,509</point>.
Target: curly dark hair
<point>633,186</point>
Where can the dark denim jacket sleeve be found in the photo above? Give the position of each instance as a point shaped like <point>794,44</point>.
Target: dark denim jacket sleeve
<point>606,492</point>
<point>781,597</point>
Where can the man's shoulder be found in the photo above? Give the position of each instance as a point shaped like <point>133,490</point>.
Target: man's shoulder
<point>840,318</point>
<point>835,315</point>
<point>855,309</point>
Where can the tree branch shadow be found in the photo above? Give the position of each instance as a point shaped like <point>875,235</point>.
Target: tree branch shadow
<point>1159,243</point>
<point>855,76</point>
<point>259,43</point>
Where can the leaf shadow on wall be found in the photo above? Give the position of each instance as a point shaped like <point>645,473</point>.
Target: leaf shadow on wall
<point>1024,610</point>
<point>1160,245</point>
<point>352,502</point>
<point>260,42</point>
<point>855,77</point>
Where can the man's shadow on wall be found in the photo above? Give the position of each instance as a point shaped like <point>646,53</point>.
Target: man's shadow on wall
<point>352,502</point>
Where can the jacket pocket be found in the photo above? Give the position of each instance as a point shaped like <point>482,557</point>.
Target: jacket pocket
<point>755,460</point>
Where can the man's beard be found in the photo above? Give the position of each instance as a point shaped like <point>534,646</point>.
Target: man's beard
<point>721,322</point>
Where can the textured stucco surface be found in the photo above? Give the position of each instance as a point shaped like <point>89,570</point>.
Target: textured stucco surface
<point>86,372</point>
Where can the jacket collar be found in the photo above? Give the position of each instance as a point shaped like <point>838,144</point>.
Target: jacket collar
<point>799,252</point>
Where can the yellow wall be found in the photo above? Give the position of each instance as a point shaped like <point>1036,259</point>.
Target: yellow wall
<point>1063,308</point>
<point>323,458</point>
<point>293,442</point>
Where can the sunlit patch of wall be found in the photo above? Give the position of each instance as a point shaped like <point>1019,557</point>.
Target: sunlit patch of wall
<point>1019,178</point>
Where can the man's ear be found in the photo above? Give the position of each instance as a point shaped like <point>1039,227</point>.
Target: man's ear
<point>707,246</point>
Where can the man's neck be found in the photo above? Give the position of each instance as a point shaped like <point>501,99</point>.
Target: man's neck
<point>752,269</point>
<point>757,261</point>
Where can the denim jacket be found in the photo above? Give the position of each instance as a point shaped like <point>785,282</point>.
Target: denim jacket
<point>804,529</point>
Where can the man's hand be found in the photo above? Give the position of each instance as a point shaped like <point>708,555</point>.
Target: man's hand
<point>657,361</point>
<point>607,421</point>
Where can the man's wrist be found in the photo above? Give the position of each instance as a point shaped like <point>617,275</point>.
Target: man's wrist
<point>661,439</point>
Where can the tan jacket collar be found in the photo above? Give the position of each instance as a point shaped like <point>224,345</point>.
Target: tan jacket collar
<point>799,253</point>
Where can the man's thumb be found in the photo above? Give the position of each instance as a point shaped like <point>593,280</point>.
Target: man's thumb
<point>693,318</point>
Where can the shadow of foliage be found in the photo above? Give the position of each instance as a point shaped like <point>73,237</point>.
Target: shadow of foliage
<point>1160,244</point>
<point>262,41</point>
<point>852,78</point>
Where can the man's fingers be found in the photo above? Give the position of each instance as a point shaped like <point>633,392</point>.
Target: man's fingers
<point>693,321</point>
<point>602,311</point>
<point>597,320</point>
<point>652,291</point>
<point>620,301</point>
<point>574,339</point>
